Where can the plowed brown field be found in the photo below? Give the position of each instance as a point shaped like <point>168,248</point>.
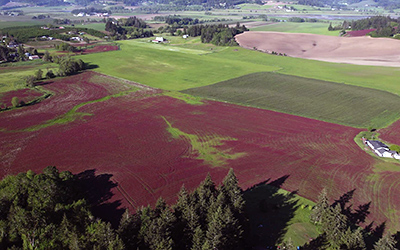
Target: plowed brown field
<point>353,50</point>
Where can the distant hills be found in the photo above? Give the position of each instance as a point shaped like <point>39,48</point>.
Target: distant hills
<point>387,4</point>
<point>205,3</point>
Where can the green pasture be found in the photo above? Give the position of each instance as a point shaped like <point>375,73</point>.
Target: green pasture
<point>159,66</point>
<point>276,215</point>
<point>95,26</point>
<point>22,22</point>
<point>249,6</point>
<point>327,101</point>
<point>318,28</point>
<point>12,76</point>
<point>169,67</point>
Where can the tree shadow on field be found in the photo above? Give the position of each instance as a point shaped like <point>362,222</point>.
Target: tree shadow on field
<point>91,66</point>
<point>269,212</point>
<point>96,189</point>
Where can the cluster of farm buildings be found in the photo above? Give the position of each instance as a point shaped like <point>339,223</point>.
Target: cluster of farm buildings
<point>381,149</point>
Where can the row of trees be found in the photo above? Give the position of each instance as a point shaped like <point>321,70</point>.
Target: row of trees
<point>208,218</point>
<point>90,10</point>
<point>50,211</point>
<point>24,34</point>
<point>385,26</point>
<point>340,227</point>
<point>221,34</point>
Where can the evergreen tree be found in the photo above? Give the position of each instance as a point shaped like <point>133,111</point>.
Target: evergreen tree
<point>354,240</point>
<point>320,208</point>
<point>334,225</point>
<point>205,197</point>
<point>128,230</point>
<point>387,242</point>
<point>233,192</point>
<point>198,239</point>
<point>186,212</point>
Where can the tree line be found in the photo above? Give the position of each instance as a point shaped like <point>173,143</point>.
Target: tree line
<point>90,10</point>
<point>51,211</point>
<point>217,34</point>
<point>26,33</point>
<point>129,28</point>
<point>340,227</point>
<point>385,26</point>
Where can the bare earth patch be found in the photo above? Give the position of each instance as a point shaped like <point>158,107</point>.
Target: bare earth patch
<point>353,50</point>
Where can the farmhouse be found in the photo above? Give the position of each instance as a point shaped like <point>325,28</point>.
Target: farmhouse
<point>382,150</point>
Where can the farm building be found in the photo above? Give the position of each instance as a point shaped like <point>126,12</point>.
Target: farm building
<point>159,39</point>
<point>35,57</point>
<point>382,150</point>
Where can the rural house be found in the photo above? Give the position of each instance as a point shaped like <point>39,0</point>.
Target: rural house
<point>382,150</point>
<point>159,39</point>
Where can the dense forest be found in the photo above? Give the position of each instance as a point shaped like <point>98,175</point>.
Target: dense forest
<point>53,210</point>
<point>60,210</point>
<point>217,34</point>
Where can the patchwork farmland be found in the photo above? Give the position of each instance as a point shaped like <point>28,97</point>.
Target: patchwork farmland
<point>151,144</point>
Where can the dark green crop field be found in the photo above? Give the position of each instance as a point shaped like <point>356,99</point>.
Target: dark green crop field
<point>322,100</point>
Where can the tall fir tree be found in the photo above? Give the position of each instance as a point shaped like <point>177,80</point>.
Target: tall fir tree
<point>387,242</point>
<point>320,208</point>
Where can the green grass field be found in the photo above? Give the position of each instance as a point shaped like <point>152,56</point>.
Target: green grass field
<point>95,26</point>
<point>249,6</point>
<point>12,76</point>
<point>327,101</point>
<point>169,67</point>
<point>276,215</point>
<point>173,68</point>
<point>289,27</point>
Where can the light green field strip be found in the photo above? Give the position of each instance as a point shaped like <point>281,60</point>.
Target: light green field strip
<point>289,27</point>
<point>170,48</point>
<point>205,147</point>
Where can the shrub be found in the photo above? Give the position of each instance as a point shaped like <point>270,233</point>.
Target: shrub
<point>15,101</point>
